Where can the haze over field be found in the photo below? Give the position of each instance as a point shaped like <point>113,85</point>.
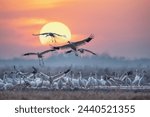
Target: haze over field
<point>61,60</point>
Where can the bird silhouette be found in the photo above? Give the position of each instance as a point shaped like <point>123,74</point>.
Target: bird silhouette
<point>39,55</point>
<point>74,46</point>
<point>50,34</point>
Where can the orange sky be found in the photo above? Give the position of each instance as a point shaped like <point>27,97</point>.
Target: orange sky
<point>121,27</point>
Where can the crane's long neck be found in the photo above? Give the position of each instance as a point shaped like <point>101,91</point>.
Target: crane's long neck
<point>4,77</point>
<point>143,73</point>
<point>72,46</point>
<point>80,75</point>
<point>72,75</point>
<point>136,72</point>
<point>95,75</point>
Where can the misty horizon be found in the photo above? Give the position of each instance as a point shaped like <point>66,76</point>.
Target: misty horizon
<point>103,60</point>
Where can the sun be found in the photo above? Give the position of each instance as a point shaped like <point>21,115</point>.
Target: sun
<point>55,27</point>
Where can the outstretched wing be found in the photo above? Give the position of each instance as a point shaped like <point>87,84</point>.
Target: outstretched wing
<point>39,34</point>
<point>46,51</point>
<point>36,34</point>
<point>61,47</point>
<point>78,43</point>
<point>84,41</point>
<point>90,51</point>
<point>34,70</point>
<point>59,35</point>
<point>58,76</point>
<point>27,54</point>
<point>69,51</point>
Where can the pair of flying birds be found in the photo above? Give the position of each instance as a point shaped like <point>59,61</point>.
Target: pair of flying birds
<point>72,46</point>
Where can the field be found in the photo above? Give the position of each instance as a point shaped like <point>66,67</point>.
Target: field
<point>75,95</point>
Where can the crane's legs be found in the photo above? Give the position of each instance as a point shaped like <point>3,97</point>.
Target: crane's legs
<point>41,62</point>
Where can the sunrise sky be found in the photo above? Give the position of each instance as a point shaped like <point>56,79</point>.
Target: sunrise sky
<point>121,27</point>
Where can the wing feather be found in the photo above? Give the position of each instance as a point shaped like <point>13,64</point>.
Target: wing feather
<point>59,35</point>
<point>84,41</point>
<point>46,51</point>
<point>58,76</point>
<point>78,43</point>
<point>40,34</point>
<point>69,51</point>
<point>62,47</point>
<point>89,51</point>
<point>31,53</point>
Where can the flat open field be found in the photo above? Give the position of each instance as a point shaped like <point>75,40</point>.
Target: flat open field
<point>76,95</point>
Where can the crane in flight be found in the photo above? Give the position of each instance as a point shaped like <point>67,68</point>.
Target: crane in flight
<point>39,55</point>
<point>81,50</point>
<point>55,78</point>
<point>74,46</point>
<point>50,34</point>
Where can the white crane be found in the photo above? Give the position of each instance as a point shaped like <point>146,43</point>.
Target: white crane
<point>60,84</point>
<point>91,82</point>
<point>102,81</point>
<point>126,79</point>
<point>20,75</point>
<point>98,81</point>
<point>111,80</point>
<point>1,84</point>
<point>74,46</point>
<point>27,78</point>
<point>37,83</point>
<point>138,78</point>
<point>8,83</point>
<point>39,55</point>
<point>7,79</point>
<point>22,86</point>
<point>10,80</point>
<point>74,82</point>
<point>68,81</point>
<point>55,78</point>
<point>50,34</point>
<point>82,81</point>
<point>81,50</point>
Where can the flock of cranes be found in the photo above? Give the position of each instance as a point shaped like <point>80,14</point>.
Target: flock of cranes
<point>34,79</point>
<point>17,80</point>
<point>65,80</point>
<point>73,46</point>
<point>37,79</point>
